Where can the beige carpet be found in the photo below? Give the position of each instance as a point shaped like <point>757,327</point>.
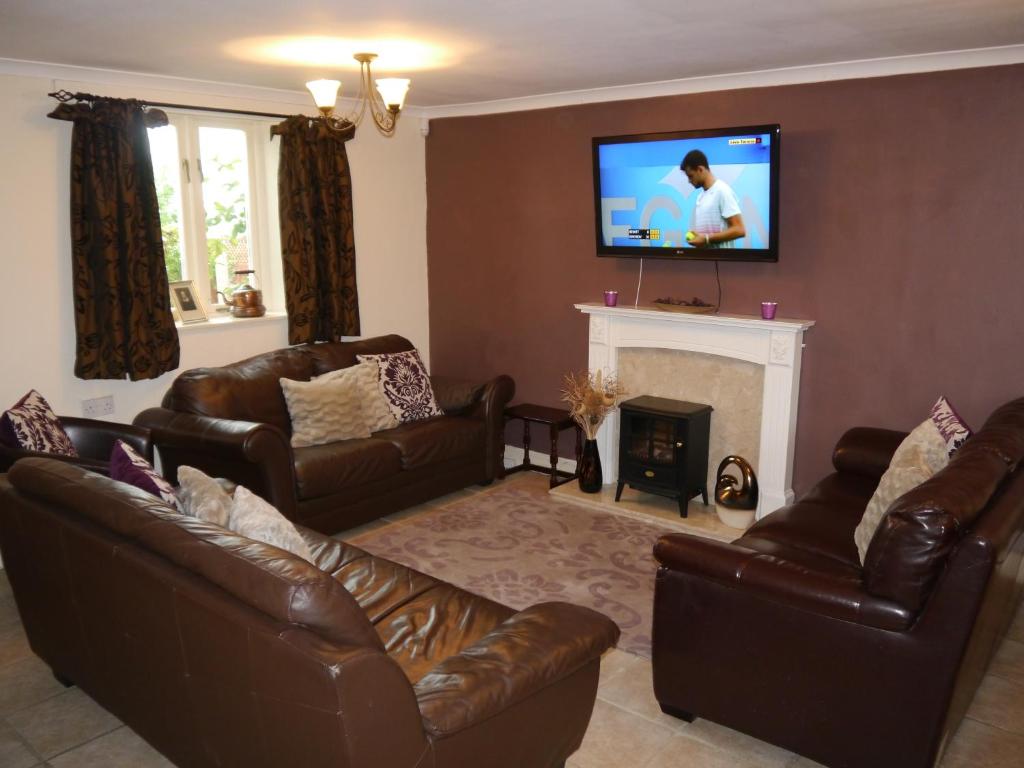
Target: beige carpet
<point>519,546</point>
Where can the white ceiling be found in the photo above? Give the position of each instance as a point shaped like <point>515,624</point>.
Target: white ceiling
<point>510,50</point>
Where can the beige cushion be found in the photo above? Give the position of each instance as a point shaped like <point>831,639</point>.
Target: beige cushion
<point>921,454</point>
<point>363,377</point>
<point>257,519</point>
<point>325,410</point>
<point>202,497</point>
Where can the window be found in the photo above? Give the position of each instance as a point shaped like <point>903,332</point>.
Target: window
<point>218,205</point>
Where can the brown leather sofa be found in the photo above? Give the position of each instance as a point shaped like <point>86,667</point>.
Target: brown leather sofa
<point>221,651</point>
<point>232,421</point>
<point>784,636</point>
<point>93,439</point>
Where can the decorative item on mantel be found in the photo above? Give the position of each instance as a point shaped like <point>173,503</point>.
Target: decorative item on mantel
<point>696,306</point>
<point>591,397</point>
<point>736,506</point>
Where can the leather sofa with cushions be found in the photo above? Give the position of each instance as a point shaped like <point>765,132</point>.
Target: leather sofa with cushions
<point>783,635</point>
<point>222,651</point>
<point>232,421</point>
<point>93,439</point>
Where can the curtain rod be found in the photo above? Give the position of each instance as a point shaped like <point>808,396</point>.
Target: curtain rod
<point>215,109</point>
<point>65,96</point>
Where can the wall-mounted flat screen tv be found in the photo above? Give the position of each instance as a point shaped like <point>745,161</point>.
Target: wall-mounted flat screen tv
<point>707,194</point>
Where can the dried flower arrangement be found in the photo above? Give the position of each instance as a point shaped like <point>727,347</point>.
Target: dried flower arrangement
<point>591,396</point>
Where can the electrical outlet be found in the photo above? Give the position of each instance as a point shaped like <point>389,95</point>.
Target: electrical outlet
<point>98,406</point>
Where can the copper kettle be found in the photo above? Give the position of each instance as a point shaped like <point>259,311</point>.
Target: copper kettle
<point>245,300</point>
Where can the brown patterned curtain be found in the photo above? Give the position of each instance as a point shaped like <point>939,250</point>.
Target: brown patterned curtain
<point>317,243</point>
<point>123,316</point>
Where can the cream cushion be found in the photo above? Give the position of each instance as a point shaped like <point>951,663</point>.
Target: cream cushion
<point>257,519</point>
<point>202,497</point>
<point>325,410</point>
<point>363,377</point>
<point>921,454</point>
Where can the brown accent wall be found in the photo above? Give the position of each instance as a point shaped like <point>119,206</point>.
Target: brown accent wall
<point>901,234</point>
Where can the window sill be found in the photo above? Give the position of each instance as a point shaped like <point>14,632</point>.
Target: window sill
<point>224,321</point>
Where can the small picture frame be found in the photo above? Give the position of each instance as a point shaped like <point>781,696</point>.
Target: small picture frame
<point>185,299</point>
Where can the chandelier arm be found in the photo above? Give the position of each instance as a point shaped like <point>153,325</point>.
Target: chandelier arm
<point>382,116</point>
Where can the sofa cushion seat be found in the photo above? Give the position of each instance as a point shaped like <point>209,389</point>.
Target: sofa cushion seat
<point>817,531</point>
<point>436,439</point>
<point>322,470</point>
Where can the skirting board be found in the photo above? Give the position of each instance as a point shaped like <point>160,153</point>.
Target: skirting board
<point>541,458</point>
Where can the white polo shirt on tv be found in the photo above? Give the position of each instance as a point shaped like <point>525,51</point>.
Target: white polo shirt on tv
<point>714,206</point>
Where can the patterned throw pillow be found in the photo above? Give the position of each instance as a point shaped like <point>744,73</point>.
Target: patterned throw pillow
<point>952,428</point>
<point>405,385</point>
<point>325,410</point>
<point>129,467</point>
<point>364,377</point>
<point>922,453</point>
<point>257,519</point>
<point>33,426</point>
<point>202,497</point>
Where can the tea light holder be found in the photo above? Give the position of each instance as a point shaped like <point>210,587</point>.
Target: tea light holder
<point>768,309</point>
<point>611,298</point>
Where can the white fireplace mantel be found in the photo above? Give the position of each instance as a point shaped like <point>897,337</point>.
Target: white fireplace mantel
<point>775,344</point>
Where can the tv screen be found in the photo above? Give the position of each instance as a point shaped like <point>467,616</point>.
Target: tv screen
<point>708,194</point>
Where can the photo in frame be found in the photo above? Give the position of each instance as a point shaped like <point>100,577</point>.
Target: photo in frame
<point>186,301</point>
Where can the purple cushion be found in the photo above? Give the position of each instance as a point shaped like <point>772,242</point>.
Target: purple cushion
<point>33,426</point>
<point>405,385</point>
<point>129,467</point>
<point>952,428</point>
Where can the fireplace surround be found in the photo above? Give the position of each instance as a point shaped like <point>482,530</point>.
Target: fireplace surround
<point>776,345</point>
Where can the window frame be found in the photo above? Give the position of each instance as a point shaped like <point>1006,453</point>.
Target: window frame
<point>261,197</point>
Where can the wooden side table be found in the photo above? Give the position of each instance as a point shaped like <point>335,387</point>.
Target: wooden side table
<point>556,420</point>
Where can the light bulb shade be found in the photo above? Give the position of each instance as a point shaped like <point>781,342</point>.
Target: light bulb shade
<point>393,90</point>
<point>325,92</point>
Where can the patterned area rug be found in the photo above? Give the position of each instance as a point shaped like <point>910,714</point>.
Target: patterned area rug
<point>519,546</point>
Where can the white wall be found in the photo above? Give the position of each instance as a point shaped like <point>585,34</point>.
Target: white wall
<point>37,346</point>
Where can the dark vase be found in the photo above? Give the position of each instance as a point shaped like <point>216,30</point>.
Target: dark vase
<point>589,469</point>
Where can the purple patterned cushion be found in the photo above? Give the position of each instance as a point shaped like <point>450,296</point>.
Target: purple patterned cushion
<point>952,428</point>
<point>33,426</point>
<point>405,385</point>
<point>129,467</point>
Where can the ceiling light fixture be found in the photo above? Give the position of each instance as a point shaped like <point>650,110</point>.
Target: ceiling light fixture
<point>385,102</point>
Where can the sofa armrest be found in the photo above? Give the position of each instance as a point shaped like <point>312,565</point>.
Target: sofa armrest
<point>490,407</point>
<point>530,651</point>
<point>94,438</point>
<point>256,455</point>
<point>866,451</point>
<point>778,580</point>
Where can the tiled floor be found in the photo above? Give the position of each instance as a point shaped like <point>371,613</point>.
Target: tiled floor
<point>44,724</point>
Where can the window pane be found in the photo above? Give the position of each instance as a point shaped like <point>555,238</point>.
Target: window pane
<point>226,202</point>
<point>163,146</point>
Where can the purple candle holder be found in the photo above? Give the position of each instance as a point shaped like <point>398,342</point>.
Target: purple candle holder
<point>768,309</point>
<point>611,298</point>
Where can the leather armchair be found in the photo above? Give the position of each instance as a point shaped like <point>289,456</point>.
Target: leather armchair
<point>93,439</point>
<point>784,635</point>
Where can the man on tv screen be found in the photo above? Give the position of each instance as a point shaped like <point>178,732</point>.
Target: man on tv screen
<point>717,222</point>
